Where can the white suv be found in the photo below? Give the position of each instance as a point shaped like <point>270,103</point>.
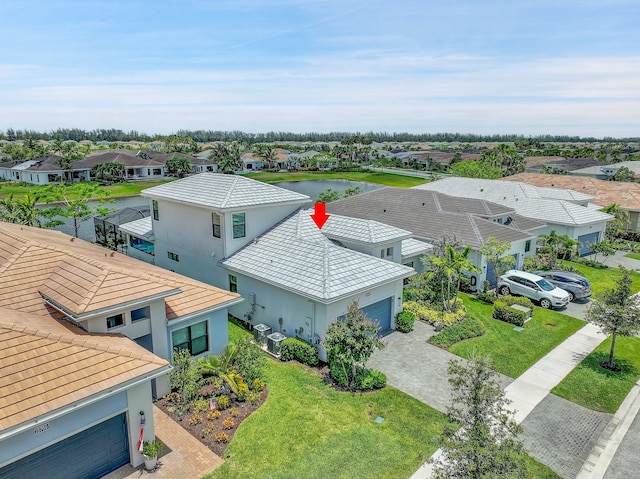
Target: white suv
<point>533,287</point>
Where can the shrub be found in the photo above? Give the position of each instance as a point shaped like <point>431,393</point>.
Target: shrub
<point>257,385</point>
<point>301,351</point>
<point>201,405</point>
<point>223,402</point>
<point>367,379</point>
<point>254,397</point>
<point>249,361</point>
<point>520,300</point>
<point>234,412</point>
<point>591,263</point>
<point>243,392</point>
<point>486,297</point>
<point>628,235</point>
<point>215,414</point>
<point>228,423</point>
<point>195,419</point>
<point>338,373</point>
<point>506,313</point>
<point>379,379</point>
<point>425,313</point>
<point>221,437</point>
<point>465,329</point>
<point>404,321</point>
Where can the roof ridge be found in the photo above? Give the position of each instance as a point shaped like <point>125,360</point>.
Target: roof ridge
<point>94,290</point>
<point>436,201</point>
<point>476,231</point>
<point>229,192</point>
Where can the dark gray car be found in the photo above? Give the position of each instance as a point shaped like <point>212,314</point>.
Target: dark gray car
<point>574,284</point>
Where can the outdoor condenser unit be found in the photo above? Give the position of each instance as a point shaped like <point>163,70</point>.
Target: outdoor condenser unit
<point>260,333</point>
<point>274,341</point>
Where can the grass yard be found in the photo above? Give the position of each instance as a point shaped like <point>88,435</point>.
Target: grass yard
<point>387,179</point>
<point>115,191</point>
<point>633,255</point>
<point>307,429</point>
<point>597,388</point>
<point>512,352</point>
<point>602,279</point>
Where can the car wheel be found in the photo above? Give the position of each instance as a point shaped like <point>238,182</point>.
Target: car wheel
<point>504,290</point>
<point>572,297</point>
<point>545,303</point>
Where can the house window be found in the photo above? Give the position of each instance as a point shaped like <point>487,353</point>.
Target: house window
<point>156,215</point>
<point>238,225</point>
<point>215,221</point>
<point>193,338</point>
<point>140,313</point>
<point>409,264</point>
<point>173,256</point>
<point>115,321</point>
<point>382,253</point>
<point>157,171</point>
<point>233,284</point>
<point>389,251</point>
<point>148,171</point>
<point>527,246</point>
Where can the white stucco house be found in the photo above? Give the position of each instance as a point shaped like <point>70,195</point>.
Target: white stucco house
<point>41,171</point>
<point>565,211</point>
<point>253,238</point>
<point>86,336</point>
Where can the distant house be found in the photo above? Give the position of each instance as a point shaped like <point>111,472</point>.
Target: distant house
<point>44,170</point>
<point>431,216</point>
<point>85,339</point>
<point>564,211</point>
<point>253,238</point>
<point>603,172</point>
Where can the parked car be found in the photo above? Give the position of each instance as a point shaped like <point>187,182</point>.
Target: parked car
<point>533,287</point>
<point>577,286</point>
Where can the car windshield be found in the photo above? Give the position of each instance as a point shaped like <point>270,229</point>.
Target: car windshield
<point>545,285</point>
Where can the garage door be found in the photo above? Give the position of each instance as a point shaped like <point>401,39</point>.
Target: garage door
<point>89,454</point>
<point>381,312</point>
<point>586,241</point>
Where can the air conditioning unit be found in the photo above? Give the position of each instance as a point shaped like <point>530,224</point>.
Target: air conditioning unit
<point>260,333</point>
<point>274,341</point>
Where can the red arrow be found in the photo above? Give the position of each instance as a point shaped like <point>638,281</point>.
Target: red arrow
<point>320,217</point>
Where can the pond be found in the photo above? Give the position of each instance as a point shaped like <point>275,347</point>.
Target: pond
<point>313,188</point>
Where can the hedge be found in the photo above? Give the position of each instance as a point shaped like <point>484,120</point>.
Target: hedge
<point>465,329</point>
<point>404,321</point>
<point>424,313</point>
<point>506,313</point>
<point>294,348</point>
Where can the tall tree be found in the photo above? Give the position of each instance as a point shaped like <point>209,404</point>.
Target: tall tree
<point>495,252</point>
<point>482,440</point>
<point>617,313</point>
<point>621,220</point>
<point>179,166</point>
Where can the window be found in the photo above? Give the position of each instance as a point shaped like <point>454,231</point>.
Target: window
<point>389,251</point>
<point>194,338</point>
<point>173,256</point>
<point>233,284</point>
<point>156,215</point>
<point>527,246</point>
<point>409,264</point>
<point>141,313</point>
<point>115,321</point>
<point>382,253</point>
<point>238,225</point>
<point>215,221</point>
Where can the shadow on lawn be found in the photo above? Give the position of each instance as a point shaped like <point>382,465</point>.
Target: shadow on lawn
<point>597,357</point>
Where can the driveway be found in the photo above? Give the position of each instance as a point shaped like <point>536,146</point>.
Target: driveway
<point>418,368</point>
<point>576,308</point>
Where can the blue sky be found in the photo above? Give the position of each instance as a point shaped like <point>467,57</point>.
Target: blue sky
<point>527,67</point>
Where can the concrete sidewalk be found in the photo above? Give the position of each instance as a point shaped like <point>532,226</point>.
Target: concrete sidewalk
<point>528,390</point>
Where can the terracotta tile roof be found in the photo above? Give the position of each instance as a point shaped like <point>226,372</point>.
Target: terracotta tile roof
<point>84,278</point>
<point>48,365</point>
<point>626,194</point>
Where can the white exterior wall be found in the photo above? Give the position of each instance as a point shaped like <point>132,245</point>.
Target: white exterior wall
<point>417,263</point>
<point>573,231</point>
<point>139,399</point>
<point>376,250</point>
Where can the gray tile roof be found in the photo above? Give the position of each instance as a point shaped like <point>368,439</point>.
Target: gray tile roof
<point>141,228</point>
<point>412,247</point>
<point>422,213</point>
<point>361,230</point>
<point>294,255</point>
<point>525,199</point>
<point>219,191</point>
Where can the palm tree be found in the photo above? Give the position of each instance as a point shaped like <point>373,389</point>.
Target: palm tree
<point>551,243</point>
<point>621,219</point>
<point>21,211</point>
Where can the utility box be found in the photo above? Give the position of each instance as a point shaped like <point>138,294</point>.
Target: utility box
<point>274,341</point>
<point>260,333</point>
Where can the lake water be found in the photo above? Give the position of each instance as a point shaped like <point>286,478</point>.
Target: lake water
<point>312,188</point>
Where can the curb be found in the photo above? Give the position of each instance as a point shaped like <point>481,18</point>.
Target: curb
<point>602,453</point>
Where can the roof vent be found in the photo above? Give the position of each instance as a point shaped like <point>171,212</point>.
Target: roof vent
<point>384,211</point>
<point>481,189</point>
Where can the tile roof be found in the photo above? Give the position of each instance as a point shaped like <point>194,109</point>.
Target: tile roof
<point>47,364</point>
<point>544,204</point>
<point>294,255</point>
<point>412,247</point>
<point>423,214</point>
<point>220,191</point>
<point>362,231</point>
<point>142,228</point>
<point>626,194</point>
<point>81,278</point>
<point>634,166</point>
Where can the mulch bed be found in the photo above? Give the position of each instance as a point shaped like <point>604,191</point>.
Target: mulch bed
<point>206,429</point>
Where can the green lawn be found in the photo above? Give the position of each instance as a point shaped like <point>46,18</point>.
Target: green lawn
<point>307,429</point>
<point>633,255</point>
<point>387,179</point>
<point>597,388</point>
<point>115,191</point>
<point>512,352</point>
<point>602,279</point>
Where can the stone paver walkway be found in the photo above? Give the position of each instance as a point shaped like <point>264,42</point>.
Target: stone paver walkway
<point>183,456</point>
<point>418,368</point>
